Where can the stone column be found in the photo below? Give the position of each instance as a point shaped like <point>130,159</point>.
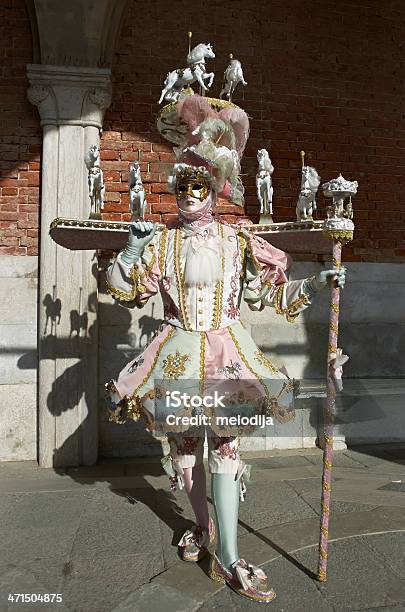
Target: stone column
<point>71,103</point>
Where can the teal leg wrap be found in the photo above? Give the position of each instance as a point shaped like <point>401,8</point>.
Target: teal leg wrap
<point>225,497</point>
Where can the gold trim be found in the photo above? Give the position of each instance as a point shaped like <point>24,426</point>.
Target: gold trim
<point>335,307</point>
<point>322,576</point>
<point>162,250</point>
<point>216,311</point>
<point>262,359</point>
<point>93,224</point>
<point>179,278</point>
<point>286,227</point>
<point>174,365</point>
<point>149,266</point>
<point>257,263</point>
<point>249,367</point>
<point>128,296</point>
<point>334,328</point>
<point>202,363</point>
<point>159,350</point>
<point>342,236</point>
<point>325,508</point>
<point>219,287</point>
<point>242,249</point>
<point>289,313</point>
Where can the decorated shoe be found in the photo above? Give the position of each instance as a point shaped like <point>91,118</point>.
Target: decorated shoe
<point>194,543</point>
<point>245,579</point>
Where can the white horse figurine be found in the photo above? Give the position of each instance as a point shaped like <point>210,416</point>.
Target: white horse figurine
<point>233,75</point>
<point>306,203</point>
<point>178,79</point>
<point>137,201</point>
<point>263,182</point>
<point>95,181</point>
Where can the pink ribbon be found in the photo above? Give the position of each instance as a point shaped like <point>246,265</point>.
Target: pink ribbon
<point>245,574</point>
<point>336,363</point>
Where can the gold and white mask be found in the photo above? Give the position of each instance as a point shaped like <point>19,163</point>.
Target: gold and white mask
<point>192,187</point>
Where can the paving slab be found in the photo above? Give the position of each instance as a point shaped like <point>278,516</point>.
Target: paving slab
<point>259,474</point>
<point>190,579</point>
<point>43,509</point>
<point>100,583</point>
<point>340,459</point>
<point>391,549</point>
<point>379,460</point>
<point>155,597</point>
<point>46,482</point>
<point>357,577</point>
<point>112,526</point>
<point>272,505</point>
<point>302,486</point>
<point>279,462</point>
<point>31,576</point>
<point>395,608</point>
<point>39,525</point>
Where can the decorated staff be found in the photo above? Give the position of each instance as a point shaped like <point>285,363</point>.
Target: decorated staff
<point>339,228</point>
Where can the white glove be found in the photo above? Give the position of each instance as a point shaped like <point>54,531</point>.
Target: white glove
<point>139,235</point>
<point>322,279</point>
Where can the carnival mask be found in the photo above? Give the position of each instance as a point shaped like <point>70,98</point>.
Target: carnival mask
<point>194,187</point>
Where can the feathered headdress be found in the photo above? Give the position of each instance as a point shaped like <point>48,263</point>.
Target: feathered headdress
<point>214,140</point>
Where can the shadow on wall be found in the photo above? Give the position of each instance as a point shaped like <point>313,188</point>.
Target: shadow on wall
<point>74,351</point>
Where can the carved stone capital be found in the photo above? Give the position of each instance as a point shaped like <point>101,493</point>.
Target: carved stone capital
<point>100,97</point>
<point>68,95</point>
<point>37,94</point>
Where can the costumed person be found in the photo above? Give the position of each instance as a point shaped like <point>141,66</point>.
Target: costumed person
<point>203,268</point>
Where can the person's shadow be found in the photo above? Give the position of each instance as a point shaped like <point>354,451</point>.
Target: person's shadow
<point>121,349</point>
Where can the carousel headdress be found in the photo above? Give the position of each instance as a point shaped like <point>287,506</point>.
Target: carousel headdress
<point>207,139</point>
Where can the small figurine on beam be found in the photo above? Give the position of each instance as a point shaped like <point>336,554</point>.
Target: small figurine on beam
<point>310,180</point>
<point>264,187</point>
<point>95,182</point>
<point>137,200</point>
<point>233,75</point>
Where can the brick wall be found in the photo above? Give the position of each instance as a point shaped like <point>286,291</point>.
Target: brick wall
<point>322,76</point>
<point>20,136</point>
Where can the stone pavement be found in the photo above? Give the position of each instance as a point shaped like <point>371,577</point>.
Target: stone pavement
<point>104,537</point>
